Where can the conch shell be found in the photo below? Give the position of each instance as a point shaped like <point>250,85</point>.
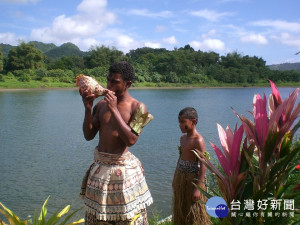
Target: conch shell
<point>91,85</point>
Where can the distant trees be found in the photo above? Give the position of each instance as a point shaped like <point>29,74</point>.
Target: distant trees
<point>1,60</point>
<point>102,56</point>
<point>181,65</point>
<point>25,56</point>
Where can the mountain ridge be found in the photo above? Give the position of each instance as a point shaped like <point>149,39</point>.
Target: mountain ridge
<point>69,49</point>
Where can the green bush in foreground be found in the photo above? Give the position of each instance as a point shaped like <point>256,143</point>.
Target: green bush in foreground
<point>13,219</point>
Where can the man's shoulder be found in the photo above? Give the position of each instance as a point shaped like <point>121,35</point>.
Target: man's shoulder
<point>135,104</point>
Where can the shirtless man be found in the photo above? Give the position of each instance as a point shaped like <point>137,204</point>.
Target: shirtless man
<point>116,175</point>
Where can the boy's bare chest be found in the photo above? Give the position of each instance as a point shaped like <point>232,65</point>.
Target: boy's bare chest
<point>187,144</point>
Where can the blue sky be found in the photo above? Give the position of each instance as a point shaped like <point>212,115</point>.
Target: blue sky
<point>263,28</point>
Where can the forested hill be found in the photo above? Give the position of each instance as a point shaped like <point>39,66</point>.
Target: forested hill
<point>184,65</point>
<point>70,49</point>
<point>286,66</point>
<point>49,50</point>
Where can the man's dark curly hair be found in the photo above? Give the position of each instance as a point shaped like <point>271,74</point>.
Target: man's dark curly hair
<point>189,113</point>
<point>124,68</point>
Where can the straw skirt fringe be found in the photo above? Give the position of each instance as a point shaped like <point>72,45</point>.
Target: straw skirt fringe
<point>185,210</point>
<point>141,219</point>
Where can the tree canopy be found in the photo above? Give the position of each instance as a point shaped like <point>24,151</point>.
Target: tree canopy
<point>181,65</point>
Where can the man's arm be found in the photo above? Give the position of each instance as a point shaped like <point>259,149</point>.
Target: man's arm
<point>124,130</point>
<point>89,130</point>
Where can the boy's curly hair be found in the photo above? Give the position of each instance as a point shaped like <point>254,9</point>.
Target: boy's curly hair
<point>124,68</point>
<point>189,113</point>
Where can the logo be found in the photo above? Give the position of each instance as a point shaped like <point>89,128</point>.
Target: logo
<point>216,207</point>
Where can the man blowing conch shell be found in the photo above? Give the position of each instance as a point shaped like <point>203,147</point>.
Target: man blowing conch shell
<point>114,187</point>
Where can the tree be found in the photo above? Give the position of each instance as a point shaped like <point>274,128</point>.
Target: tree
<point>103,56</point>
<point>25,56</point>
<point>1,60</point>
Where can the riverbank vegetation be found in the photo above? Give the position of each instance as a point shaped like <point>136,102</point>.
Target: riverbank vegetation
<point>258,176</point>
<point>26,66</point>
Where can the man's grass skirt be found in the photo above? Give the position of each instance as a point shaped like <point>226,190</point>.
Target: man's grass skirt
<point>115,189</point>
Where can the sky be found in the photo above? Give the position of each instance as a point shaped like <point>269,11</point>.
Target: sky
<point>269,29</point>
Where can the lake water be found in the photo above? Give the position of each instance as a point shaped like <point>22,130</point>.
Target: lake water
<point>43,151</point>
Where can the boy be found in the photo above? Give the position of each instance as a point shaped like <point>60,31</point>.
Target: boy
<point>114,187</point>
<point>186,209</point>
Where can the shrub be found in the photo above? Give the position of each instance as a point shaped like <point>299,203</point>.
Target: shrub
<point>13,219</point>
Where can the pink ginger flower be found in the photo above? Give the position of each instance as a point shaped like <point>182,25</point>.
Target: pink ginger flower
<point>230,160</point>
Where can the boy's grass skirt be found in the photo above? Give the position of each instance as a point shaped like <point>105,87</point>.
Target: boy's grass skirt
<point>185,210</point>
<point>115,190</point>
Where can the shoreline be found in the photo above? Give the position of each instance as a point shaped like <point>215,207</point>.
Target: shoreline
<point>132,88</point>
<point>139,88</point>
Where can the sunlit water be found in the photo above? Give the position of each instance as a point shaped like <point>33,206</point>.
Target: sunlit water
<point>43,151</point>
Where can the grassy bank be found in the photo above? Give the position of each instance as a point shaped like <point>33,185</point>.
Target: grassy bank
<point>13,83</point>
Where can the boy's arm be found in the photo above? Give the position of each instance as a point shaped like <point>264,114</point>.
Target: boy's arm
<point>201,173</point>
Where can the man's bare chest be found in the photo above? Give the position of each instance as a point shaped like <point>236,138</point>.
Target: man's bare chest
<point>106,117</point>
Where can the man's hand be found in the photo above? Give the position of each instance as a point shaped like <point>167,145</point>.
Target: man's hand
<point>111,101</point>
<point>87,99</point>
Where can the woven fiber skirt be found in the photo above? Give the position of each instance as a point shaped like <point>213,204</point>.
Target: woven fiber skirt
<point>114,187</point>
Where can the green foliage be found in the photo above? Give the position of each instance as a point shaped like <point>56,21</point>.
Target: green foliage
<point>102,56</point>
<point>41,73</point>
<point>13,219</point>
<point>157,66</point>
<point>25,56</point>
<point>25,77</point>
<point>266,170</point>
<point>42,46</point>
<point>67,49</point>
<point>1,60</point>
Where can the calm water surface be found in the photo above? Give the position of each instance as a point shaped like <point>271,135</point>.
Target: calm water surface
<point>43,151</point>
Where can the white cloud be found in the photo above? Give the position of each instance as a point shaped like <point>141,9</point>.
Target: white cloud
<point>152,44</point>
<point>208,45</point>
<point>288,39</point>
<point>210,33</point>
<point>146,13</point>
<point>10,38</point>
<point>170,40</point>
<point>88,6</point>
<point>278,25</point>
<point>91,20</point>
<point>254,38</point>
<point>86,44</point>
<point>210,15</point>
<point>125,43</point>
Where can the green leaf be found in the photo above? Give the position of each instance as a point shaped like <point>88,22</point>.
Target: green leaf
<point>77,222</point>
<point>282,163</point>
<point>34,218</point>
<point>286,145</point>
<point>270,144</point>
<point>69,216</point>
<point>53,219</point>
<point>43,213</point>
